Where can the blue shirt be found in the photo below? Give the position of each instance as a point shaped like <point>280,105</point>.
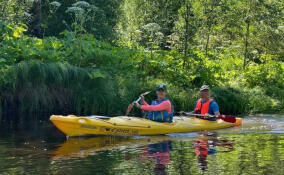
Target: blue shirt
<point>213,107</point>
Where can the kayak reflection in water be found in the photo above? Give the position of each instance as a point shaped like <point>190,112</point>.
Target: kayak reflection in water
<point>161,109</point>
<point>158,153</point>
<point>206,146</point>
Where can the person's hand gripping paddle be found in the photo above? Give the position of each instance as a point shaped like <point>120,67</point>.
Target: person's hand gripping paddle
<point>130,106</point>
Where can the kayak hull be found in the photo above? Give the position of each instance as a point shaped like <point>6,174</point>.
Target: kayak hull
<point>79,126</point>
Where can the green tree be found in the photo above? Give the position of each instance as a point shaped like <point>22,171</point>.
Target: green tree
<point>184,31</point>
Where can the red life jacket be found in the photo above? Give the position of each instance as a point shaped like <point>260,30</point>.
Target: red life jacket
<point>202,108</point>
<point>201,148</point>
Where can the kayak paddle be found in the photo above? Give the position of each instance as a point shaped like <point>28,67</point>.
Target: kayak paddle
<point>130,106</point>
<point>99,117</point>
<point>226,118</point>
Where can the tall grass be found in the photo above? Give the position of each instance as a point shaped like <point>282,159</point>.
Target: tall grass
<point>34,87</point>
<point>33,90</point>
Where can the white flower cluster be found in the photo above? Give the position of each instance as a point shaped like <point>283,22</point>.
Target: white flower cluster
<point>81,4</point>
<point>159,34</point>
<point>55,4</point>
<point>26,14</point>
<point>76,10</point>
<point>152,27</point>
<point>281,28</point>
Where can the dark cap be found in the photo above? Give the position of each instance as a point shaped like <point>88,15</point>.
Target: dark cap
<point>161,86</point>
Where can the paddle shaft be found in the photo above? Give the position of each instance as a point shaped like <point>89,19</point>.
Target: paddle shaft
<point>200,115</point>
<point>137,100</point>
<point>145,93</point>
<point>226,118</point>
<point>99,117</point>
<point>130,106</point>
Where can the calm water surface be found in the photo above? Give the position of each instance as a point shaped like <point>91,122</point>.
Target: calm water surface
<point>39,148</point>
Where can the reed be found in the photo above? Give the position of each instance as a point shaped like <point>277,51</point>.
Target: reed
<point>32,87</point>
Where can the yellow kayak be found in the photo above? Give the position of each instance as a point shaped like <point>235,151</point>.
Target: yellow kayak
<point>78,126</point>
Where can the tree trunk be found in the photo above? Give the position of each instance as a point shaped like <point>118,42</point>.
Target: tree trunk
<point>209,24</point>
<point>207,41</point>
<point>186,35</point>
<point>37,15</point>
<point>246,44</point>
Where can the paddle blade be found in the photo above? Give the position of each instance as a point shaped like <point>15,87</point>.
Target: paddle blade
<point>239,122</point>
<point>145,93</point>
<point>227,118</point>
<point>130,106</point>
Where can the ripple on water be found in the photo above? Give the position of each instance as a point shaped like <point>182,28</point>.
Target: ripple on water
<point>263,124</point>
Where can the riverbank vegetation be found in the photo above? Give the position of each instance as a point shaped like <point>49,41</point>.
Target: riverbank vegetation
<point>95,57</point>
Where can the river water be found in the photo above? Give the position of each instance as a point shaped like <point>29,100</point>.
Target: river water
<point>257,147</point>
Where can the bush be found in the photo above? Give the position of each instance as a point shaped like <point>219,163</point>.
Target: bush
<point>236,100</point>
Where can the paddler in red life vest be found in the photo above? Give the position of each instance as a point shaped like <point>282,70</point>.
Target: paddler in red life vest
<point>161,109</point>
<point>206,105</point>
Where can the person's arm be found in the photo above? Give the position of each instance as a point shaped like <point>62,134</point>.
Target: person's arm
<point>144,102</point>
<point>166,105</point>
<point>215,108</point>
<point>194,112</point>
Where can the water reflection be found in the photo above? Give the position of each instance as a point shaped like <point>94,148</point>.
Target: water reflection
<point>156,149</point>
<point>206,145</point>
<point>83,147</point>
<point>44,150</point>
<point>158,153</point>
